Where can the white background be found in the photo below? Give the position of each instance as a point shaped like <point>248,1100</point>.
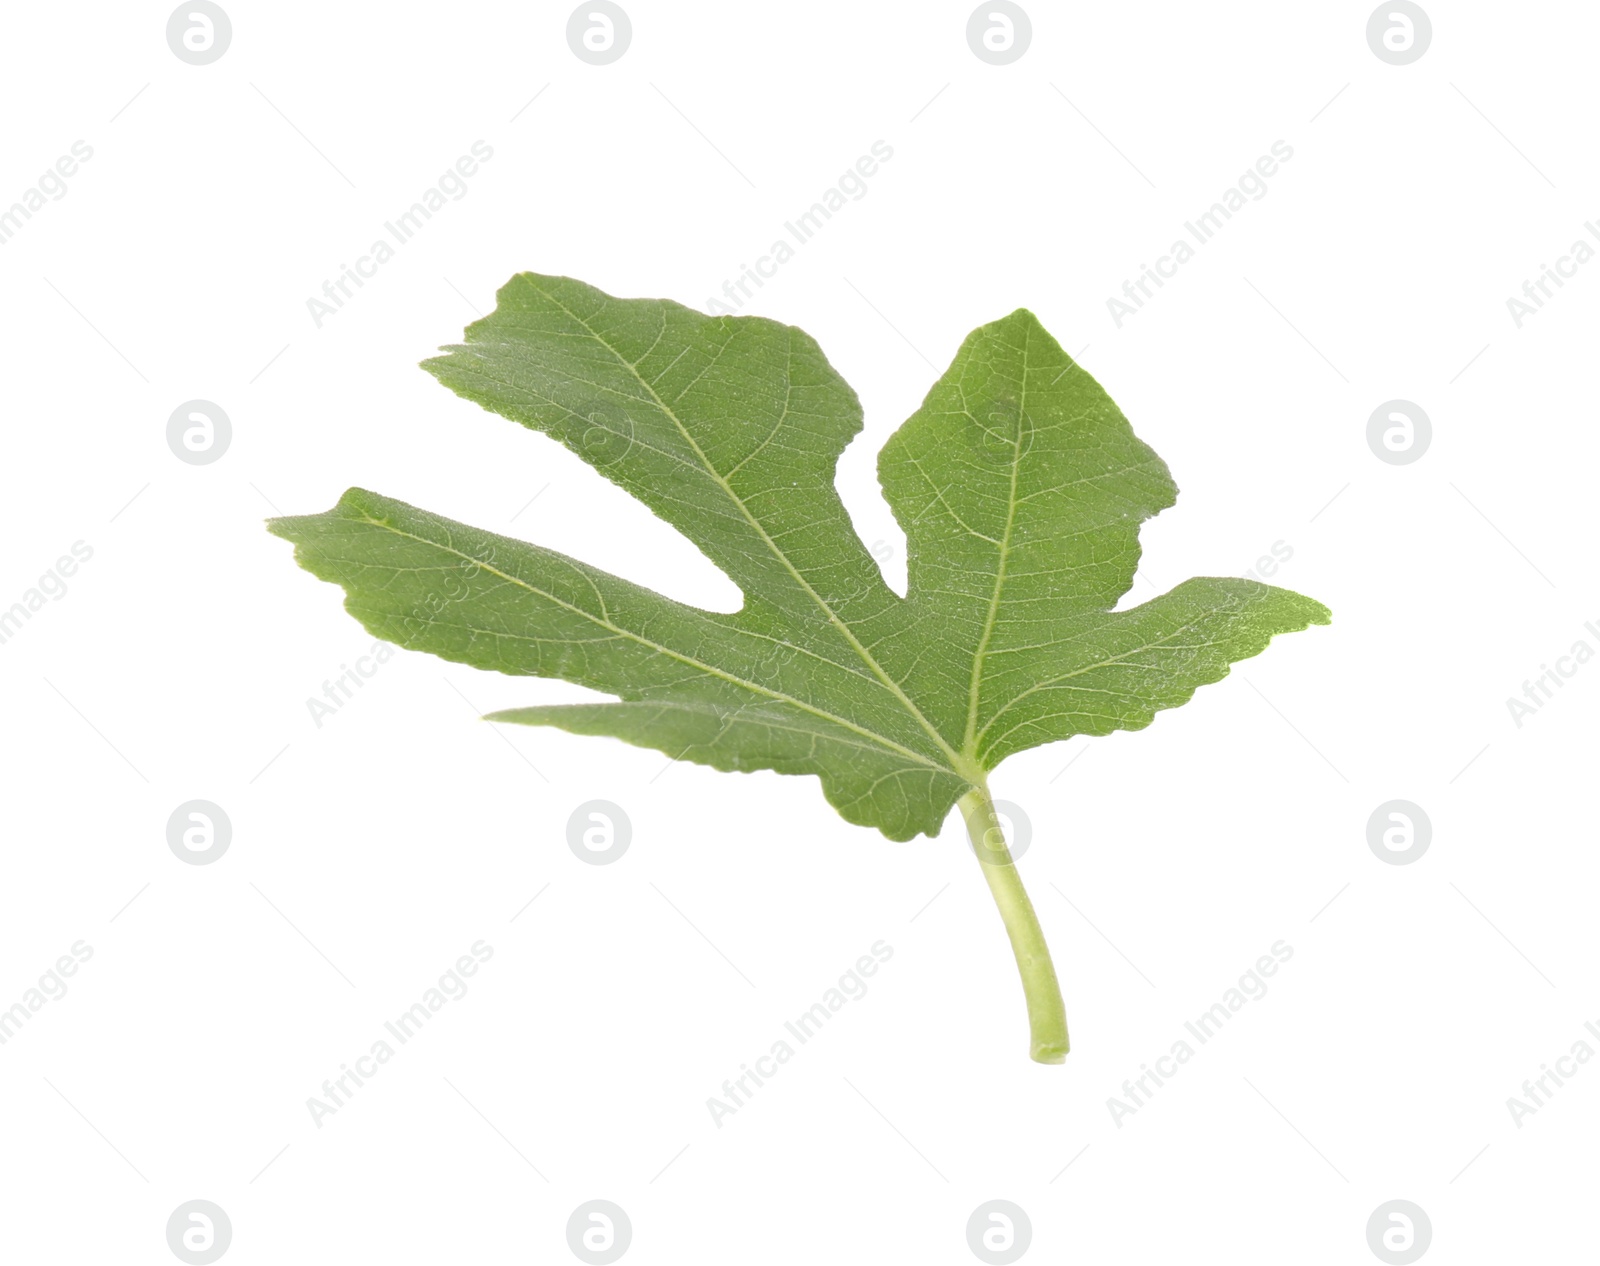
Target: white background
<point>369,853</point>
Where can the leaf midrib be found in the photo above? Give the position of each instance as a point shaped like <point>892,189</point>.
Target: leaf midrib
<point>770,720</point>
<point>844,629</point>
<point>975,684</point>
<point>689,660</point>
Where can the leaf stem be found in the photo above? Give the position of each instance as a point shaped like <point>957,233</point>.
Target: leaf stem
<point>1047,1014</point>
